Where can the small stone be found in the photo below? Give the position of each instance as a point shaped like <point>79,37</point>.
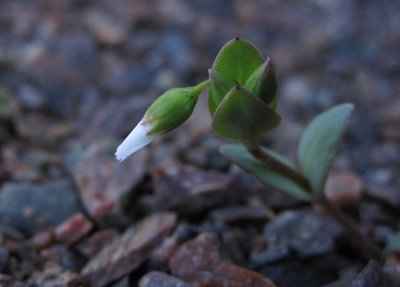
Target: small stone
<point>31,208</point>
<point>240,214</point>
<point>103,182</point>
<point>91,245</point>
<point>371,276</point>
<point>343,188</point>
<point>195,256</point>
<point>161,255</point>
<point>73,229</point>
<point>43,239</point>
<point>316,271</point>
<point>126,252</point>
<point>307,233</point>
<point>178,185</point>
<point>226,274</point>
<point>160,279</point>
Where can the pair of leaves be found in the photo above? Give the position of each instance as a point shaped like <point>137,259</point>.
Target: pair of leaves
<point>266,174</point>
<point>315,153</point>
<point>237,112</point>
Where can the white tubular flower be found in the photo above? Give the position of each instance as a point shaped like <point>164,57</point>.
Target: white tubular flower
<point>170,110</point>
<point>137,139</point>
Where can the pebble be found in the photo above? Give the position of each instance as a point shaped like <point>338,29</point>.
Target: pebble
<point>194,256</point>
<point>73,229</point>
<point>160,279</point>
<point>176,185</point>
<point>43,239</point>
<point>305,232</point>
<point>31,208</point>
<point>199,262</point>
<point>128,251</point>
<point>103,182</point>
<point>94,243</point>
<point>343,188</point>
<point>371,276</point>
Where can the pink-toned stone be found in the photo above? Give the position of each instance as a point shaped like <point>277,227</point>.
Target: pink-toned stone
<point>229,275</point>
<point>195,256</point>
<point>102,181</point>
<point>91,245</point>
<point>343,188</point>
<point>73,229</point>
<point>43,239</point>
<point>127,251</point>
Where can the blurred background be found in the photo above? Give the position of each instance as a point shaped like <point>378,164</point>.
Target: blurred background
<point>77,75</point>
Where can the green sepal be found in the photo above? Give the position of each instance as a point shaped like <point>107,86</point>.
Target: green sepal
<point>262,82</point>
<point>244,117</point>
<point>266,174</point>
<point>319,143</point>
<point>172,108</point>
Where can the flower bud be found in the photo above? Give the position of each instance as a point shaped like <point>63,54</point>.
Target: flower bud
<point>262,82</point>
<point>170,110</point>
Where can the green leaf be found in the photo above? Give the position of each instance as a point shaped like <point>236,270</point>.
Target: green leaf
<point>236,61</point>
<point>266,174</point>
<point>319,142</point>
<point>244,117</point>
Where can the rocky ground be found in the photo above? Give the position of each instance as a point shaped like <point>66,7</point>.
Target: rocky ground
<point>77,75</point>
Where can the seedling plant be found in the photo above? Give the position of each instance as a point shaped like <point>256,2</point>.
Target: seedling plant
<point>242,101</point>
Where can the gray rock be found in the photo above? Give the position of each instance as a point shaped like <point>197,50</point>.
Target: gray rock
<point>126,252</point>
<point>35,207</point>
<point>371,276</point>
<point>306,233</point>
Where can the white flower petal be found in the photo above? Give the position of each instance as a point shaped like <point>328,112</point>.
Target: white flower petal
<point>136,140</point>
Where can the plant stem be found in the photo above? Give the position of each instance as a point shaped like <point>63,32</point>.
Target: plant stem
<point>200,87</point>
<point>369,250</point>
<point>358,239</point>
<point>273,163</point>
